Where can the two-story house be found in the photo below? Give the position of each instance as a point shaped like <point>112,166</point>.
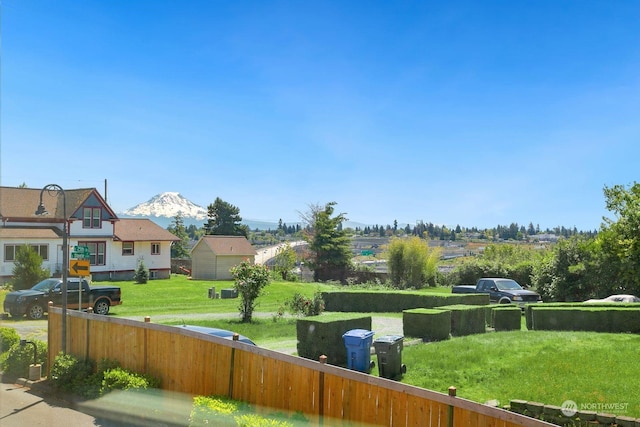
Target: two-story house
<point>116,246</point>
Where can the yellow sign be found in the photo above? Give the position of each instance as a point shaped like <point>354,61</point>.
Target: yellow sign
<point>79,267</point>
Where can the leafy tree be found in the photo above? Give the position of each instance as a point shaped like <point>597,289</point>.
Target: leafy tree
<point>285,260</point>
<point>224,219</point>
<point>179,249</point>
<point>620,237</point>
<point>411,263</point>
<point>249,281</point>
<point>568,272</point>
<point>329,245</point>
<point>27,269</point>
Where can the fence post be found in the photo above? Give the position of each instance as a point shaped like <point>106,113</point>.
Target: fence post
<point>50,351</point>
<point>452,393</point>
<point>323,360</point>
<point>236,337</point>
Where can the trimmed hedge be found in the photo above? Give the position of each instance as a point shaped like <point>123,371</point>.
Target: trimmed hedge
<point>385,302</point>
<point>584,317</point>
<point>322,335</point>
<point>506,318</point>
<point>466,319</point>
<point>430,324</point>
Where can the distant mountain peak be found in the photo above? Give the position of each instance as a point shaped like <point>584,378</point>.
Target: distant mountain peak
<point>168,205</point>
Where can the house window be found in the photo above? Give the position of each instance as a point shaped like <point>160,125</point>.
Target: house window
<point>91,218</point>
<point>10,251</point>
<point>96,252</point>
<point>127,248</point>
<point>153,274</point>
<point>155,248</point>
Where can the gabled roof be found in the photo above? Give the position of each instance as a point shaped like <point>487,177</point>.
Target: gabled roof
<point>227,245</point>
<point>20,204</point>
<point>140,229</point>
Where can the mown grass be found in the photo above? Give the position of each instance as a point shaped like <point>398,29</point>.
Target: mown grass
<point>180,295</point>
<point>551,367</point>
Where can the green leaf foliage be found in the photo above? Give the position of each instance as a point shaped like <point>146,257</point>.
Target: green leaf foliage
<point>249,281</point>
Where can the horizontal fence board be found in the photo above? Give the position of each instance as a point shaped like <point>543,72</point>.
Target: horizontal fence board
<point>198,364</point>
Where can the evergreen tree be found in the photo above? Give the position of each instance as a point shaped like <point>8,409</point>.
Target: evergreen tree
<point>180,248</point>
<point>329,245</point>
<point>224,219</point>
<point>27,269</point>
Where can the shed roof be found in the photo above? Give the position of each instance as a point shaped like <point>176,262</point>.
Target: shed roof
<point>228,245</point>
<point>140,229</point>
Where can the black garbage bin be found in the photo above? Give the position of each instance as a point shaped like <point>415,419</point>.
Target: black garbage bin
<point>389,352</point>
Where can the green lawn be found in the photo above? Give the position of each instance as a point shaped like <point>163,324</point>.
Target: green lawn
<point>550,367</point>
<point>179,295</point>
<point>590,369</point>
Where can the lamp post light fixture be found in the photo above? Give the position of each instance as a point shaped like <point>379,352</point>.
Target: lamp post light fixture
<point>55,189</point>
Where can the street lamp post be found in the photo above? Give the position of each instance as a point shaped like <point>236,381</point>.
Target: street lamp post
<point>56,189</point>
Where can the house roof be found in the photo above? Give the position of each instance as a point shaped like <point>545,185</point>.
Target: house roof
<point>20,204</point>
<point>30,233</point>
<point>140,229</point>
<point>228,245</point>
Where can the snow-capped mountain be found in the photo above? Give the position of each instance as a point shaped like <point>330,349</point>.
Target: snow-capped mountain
<point>163,208</point>
<point>168,205</point>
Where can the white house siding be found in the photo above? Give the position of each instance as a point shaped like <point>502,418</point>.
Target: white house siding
<point>53,263</point>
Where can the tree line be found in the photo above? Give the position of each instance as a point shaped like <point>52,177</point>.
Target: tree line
<point>580,266</point>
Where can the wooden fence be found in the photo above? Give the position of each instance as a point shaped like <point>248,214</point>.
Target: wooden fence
<point>199,364</point>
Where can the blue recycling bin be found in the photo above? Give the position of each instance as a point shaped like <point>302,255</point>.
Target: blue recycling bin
<point>358,344</point>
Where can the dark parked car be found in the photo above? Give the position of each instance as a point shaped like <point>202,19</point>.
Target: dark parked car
<point>501,291</point>
<point>34,302</point>
<point>222,333</point>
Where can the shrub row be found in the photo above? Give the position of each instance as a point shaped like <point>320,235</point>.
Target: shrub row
<point>323,336</point>
<point>430,324</point>
<point>438,323</point>
<point>381,302</point>
<point>506,318</point>
<point>583,317</point>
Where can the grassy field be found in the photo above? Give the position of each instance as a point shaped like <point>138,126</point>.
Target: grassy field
<point>592,369</point>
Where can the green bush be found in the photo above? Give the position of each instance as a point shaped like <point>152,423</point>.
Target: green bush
<point>506,318</point>
<point>8,338</point>
<point>141,275</point>
<point>301,305</point>
<point>221,411</point>
<point>584,317</point>
<point>427,323</point>
<point>83,378</point>
<point>122,379</point>
<point>15,362</point>
<point>466,319</point>
<point>69,374</point>
<point>385,302</point>
<point>323,336</point>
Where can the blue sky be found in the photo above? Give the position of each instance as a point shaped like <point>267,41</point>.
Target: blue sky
<point>477,113</point>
